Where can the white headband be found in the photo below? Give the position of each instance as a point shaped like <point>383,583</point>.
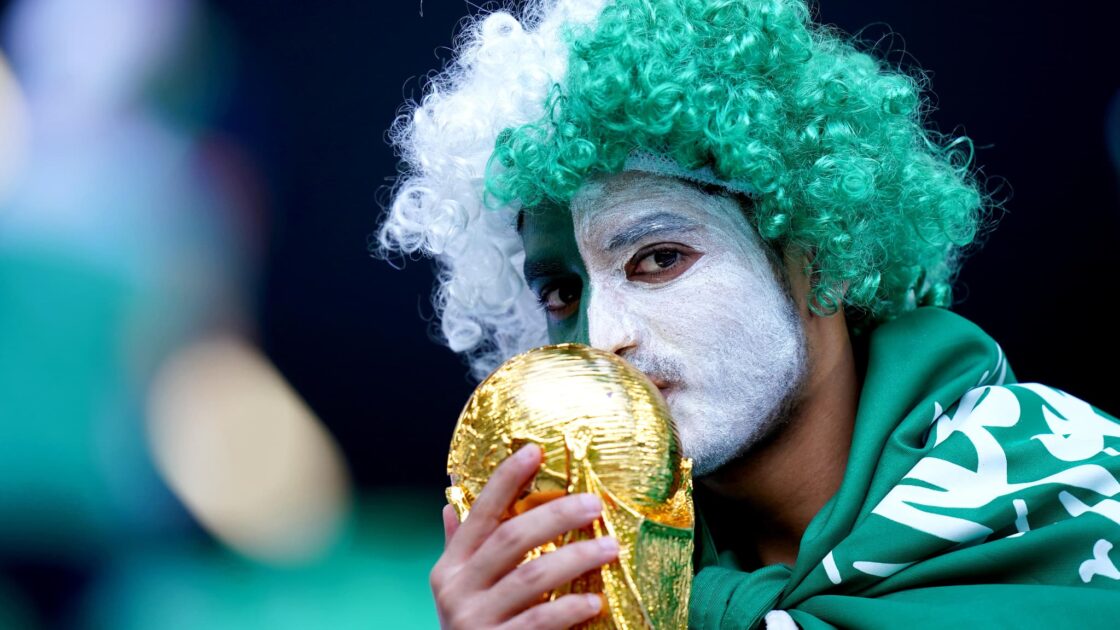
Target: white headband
<point>659,164</point>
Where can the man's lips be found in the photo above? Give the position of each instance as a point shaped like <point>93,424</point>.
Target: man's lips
<point>661,381</point>
<point>662,385</point>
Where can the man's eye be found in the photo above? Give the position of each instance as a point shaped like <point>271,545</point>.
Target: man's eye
<point>660,263</point>
<point>560,299</point>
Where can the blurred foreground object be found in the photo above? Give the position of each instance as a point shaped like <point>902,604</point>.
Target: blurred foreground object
<point>603,428</point>
<point>374,577</point>
<point>245,454</point>
<point>124,234</point>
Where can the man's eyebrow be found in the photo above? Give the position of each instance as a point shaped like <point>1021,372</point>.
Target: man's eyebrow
<point>656,223</point>
<point>545,268</point>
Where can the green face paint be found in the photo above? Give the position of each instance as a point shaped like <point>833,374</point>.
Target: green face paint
<point>555,272</point>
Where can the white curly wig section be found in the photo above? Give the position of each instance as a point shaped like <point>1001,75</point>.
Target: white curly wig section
<point>500,78</point>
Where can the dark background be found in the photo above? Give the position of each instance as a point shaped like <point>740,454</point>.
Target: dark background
<point>319,82</point>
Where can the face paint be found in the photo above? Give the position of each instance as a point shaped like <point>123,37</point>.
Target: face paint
<point>677,282</point>
<point>555,272</point>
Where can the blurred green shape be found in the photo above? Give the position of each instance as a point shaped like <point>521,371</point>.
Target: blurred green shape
<point>14,612</point>
<point>376,577</point>
<point>60,347</point>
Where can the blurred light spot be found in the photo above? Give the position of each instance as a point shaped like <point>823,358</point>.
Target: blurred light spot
<point>83,56</point>
<point>245,454</point>
<point>13,129</point>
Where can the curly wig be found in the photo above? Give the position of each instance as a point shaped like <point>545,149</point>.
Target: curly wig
<point>831,141</point>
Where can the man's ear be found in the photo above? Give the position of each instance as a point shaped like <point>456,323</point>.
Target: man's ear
<point>797,268</point>
<point>803,277</point>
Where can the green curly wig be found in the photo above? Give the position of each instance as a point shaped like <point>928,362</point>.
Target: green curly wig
<point>831,139</point>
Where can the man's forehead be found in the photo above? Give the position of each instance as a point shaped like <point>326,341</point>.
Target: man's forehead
<point>605,193</point>
<point>631,197</point>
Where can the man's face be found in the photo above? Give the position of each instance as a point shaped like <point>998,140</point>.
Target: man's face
<point>678,283</point>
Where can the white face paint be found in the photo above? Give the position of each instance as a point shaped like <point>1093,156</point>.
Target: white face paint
<point>681,286</point>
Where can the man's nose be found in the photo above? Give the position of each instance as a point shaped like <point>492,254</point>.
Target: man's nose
<point>610,324</point>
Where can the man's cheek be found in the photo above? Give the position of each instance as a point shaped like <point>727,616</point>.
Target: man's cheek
<point>672,314</point>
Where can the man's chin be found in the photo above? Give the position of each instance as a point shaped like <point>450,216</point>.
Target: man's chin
<point>707,464</point>
<point>706,457</point>
<point>718,457</point>
<point>713,450</point>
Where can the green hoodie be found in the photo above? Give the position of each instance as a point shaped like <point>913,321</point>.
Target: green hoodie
<point>969,500</point>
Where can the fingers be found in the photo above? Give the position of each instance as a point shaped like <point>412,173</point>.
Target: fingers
<point>537,498</point>
<point>499,493</point>
<point>509,543</point>
<point>523,587</point>
<point>450,524</point>
<point>477,581</point>
<point>560,613</point>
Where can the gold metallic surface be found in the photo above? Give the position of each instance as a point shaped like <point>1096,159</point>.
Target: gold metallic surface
<point>603,428</point>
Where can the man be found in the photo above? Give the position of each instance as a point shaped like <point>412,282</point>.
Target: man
<point>751,212</point>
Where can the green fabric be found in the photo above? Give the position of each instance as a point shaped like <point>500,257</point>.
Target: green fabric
<point>968,499</point>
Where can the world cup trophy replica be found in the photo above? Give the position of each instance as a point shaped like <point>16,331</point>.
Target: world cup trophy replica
<point>603,428</point>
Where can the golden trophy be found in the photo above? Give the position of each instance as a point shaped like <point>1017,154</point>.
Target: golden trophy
<point>603,428</point>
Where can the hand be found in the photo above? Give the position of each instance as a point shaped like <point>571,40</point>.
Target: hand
<point>477,582</point>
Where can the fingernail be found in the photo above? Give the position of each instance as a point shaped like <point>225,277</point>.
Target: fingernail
<point>594,603</point>
<point>526,453</point>
<point>608,544</point>
<point>590,503</point>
